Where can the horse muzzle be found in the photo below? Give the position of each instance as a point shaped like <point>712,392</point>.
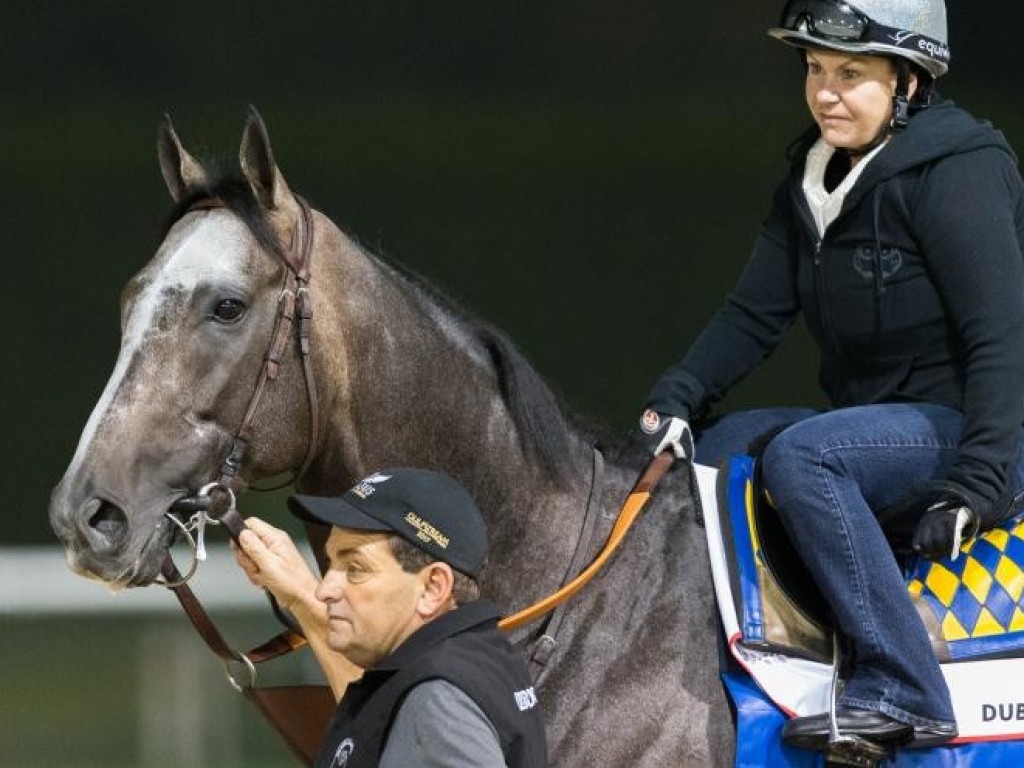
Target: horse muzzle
<point>104,542</point>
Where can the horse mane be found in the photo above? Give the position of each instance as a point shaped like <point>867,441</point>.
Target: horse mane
<point>544,426</point>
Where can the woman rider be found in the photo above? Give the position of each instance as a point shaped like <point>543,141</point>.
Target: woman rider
<point>898,236</point>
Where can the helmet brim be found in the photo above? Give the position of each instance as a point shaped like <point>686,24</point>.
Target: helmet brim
<point>799,39</point>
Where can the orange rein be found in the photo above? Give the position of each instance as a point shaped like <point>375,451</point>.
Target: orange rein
<point>631,508</point>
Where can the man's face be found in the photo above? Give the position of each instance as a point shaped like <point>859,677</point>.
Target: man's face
<point>371,602</point>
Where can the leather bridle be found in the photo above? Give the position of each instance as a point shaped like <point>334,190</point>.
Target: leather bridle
<point>215,503</point>
<point>294,309</point>
<point>293,300</point>
<point>296,712</point>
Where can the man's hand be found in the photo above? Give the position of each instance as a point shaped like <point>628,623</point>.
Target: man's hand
<point>271,560</point>
<point>659,432</point>
<point>945,525</point>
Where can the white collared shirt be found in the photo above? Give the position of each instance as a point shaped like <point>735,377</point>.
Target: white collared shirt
<point>825,205</point>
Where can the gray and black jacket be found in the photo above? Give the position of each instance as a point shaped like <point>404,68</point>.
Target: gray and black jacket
<point>463,647</point>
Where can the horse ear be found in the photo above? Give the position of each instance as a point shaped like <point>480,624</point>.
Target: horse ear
<point>257,161</point>
<point>180,170</point>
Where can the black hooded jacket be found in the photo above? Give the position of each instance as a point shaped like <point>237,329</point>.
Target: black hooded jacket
<point>914,294</point>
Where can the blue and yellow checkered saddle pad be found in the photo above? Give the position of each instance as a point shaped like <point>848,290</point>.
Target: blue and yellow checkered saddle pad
<point>978,599</point>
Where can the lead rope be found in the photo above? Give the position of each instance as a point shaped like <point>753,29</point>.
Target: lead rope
<point>220,510</point>
<point>299,713</point>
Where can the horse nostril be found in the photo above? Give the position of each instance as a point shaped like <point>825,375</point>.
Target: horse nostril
<point>110,522</point>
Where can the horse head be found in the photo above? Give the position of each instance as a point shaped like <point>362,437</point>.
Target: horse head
<point>195,324</point>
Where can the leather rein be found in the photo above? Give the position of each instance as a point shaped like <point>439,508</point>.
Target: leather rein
<point>215,503</point>
<point>631,508</point>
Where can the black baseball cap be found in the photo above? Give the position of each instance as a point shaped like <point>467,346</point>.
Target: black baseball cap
<point>428,509</point>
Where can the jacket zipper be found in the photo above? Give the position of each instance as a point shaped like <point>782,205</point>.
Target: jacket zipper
<point>820,290</point>
<point>819,274</point>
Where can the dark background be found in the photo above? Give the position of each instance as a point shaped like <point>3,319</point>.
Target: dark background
<point>587,175</point>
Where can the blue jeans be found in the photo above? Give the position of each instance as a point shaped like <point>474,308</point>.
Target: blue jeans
<point>826,472</point>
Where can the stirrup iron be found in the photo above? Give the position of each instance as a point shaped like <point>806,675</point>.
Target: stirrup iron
<point>847,748</point>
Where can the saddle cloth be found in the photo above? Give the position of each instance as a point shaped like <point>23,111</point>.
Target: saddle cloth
<point>778,626</point>
<point>972,606</point>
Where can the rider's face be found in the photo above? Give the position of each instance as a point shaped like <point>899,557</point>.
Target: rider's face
<point>850,96</point>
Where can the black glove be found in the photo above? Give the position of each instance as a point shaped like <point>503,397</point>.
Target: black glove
<point>659,432</point>
<point>946,523</point>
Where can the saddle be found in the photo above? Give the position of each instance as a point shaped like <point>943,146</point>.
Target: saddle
<point>780,632</point>
<point>972,607</point>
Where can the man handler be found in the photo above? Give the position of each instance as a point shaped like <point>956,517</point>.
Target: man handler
<point>442,686</point>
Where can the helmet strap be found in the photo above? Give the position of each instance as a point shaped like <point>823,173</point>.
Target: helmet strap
<point>901,98</point>
<point>900,111</point>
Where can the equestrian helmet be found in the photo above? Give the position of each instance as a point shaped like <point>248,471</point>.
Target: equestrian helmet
<point>914,30</point>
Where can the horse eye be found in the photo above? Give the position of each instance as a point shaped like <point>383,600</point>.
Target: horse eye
<point>229,310</point>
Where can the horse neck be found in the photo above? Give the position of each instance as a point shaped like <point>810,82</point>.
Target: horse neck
<point>408,383</point>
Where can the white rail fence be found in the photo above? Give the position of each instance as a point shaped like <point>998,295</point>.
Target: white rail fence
<point>183,717</point>
<point>36,581</point>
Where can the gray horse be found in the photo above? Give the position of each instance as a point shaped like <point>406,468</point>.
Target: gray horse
<point>403,378</point>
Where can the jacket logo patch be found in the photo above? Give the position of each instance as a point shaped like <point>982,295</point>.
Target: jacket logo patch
<point>526,699</point>
<point>342,753</point>
<point>864,261</point>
